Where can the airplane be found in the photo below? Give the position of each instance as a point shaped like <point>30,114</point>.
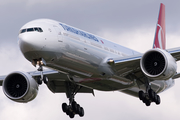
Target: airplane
<point>81,62</point>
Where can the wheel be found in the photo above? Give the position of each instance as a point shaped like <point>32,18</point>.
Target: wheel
<point>45,79</point>
<point>78,109</point>
<point>141,95</point>
<point>68,111</point>
<point>144,98</point>
<point>155,98</point>
<point>74,106</point>
<point>71,115</point>
<point>151,94</point>
<point>158,101</point>
<point>64,107</point>
<point>148,103</point>
<point>39,81</point>
<point>81,113</point>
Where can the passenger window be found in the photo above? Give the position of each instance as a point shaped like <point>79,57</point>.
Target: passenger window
<point>30,29</point>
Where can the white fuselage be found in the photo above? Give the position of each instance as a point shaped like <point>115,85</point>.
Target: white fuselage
<point>81,55</point>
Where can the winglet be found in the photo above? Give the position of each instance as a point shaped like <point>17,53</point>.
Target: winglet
<point>160,34</point>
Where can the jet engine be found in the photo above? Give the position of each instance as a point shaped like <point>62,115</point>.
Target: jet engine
<point>20,87</point>
<point>158,64</point>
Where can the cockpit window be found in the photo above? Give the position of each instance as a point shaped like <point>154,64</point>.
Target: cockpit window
<point>40,30</point>
<point>23,30</point>
<point>37,29</point>
<point>30,29</point>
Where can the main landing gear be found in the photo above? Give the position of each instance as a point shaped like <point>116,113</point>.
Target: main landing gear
<point>73,107</point>
<point>149,96</point>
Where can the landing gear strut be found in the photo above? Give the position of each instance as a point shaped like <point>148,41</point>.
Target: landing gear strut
<point>149,96</point>
<point>73,107</point>
<point>42,77</point>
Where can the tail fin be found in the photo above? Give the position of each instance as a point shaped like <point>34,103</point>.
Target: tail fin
<point>160,34</point>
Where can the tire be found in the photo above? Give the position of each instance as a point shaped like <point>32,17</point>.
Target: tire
<point>144,100</point>
<point>71,115</point>
<point>141,95</point>
<point>64,107</point>
<point>81,113</point>
<point>158,101</point>
<point>39,81</point>
<point>78,109</point>
<point>155,98</point>
<point>74,106</point>
<point>151,94</point>
<point>45,79</point>
<point>148,103</point>
<point>68,111</point>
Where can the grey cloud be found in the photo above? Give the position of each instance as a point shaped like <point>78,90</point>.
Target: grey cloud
<point>93,16</point>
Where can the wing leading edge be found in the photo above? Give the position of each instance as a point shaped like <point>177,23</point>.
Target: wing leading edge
<point>57,81</point>
<point>131,64</point>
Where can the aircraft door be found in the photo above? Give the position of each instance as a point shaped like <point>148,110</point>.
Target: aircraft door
<point>59,34</point>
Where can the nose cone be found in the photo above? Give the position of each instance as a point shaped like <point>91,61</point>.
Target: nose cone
<point>31,36</point>
<point>26,43</point>
<point>30,45</point>
<point>32,41</point>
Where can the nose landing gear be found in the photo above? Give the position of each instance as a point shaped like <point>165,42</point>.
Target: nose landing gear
<point>40,62</point>
<point>41,78</point>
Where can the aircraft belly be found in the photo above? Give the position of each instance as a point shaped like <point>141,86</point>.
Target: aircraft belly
<point>84,72</point>
<point>105,84</point>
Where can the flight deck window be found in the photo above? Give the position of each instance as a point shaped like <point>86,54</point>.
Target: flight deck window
<point>40,30</point>
<point>30,29</point>
<point>23,30</point>
<point>36,29</point>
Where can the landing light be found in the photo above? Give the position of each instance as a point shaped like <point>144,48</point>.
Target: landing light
<point>110,62</point>
<point>39,62</point>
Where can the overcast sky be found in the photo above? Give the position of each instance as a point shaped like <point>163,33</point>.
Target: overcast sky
<point>129,23</point>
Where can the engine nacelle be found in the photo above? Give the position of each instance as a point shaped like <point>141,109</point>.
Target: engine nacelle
<point>157,64</point>
<point>20,87</point>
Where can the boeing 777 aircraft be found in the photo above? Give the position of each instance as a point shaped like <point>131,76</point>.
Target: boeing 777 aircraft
<point>80,62</point>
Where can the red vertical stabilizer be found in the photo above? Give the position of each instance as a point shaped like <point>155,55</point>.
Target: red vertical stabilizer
<point>160,34</point>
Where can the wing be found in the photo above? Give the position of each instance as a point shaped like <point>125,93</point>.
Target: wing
<point>130,66</point>
<point>1,79</point>
<point>175,52</point>
<point>57,81</point>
